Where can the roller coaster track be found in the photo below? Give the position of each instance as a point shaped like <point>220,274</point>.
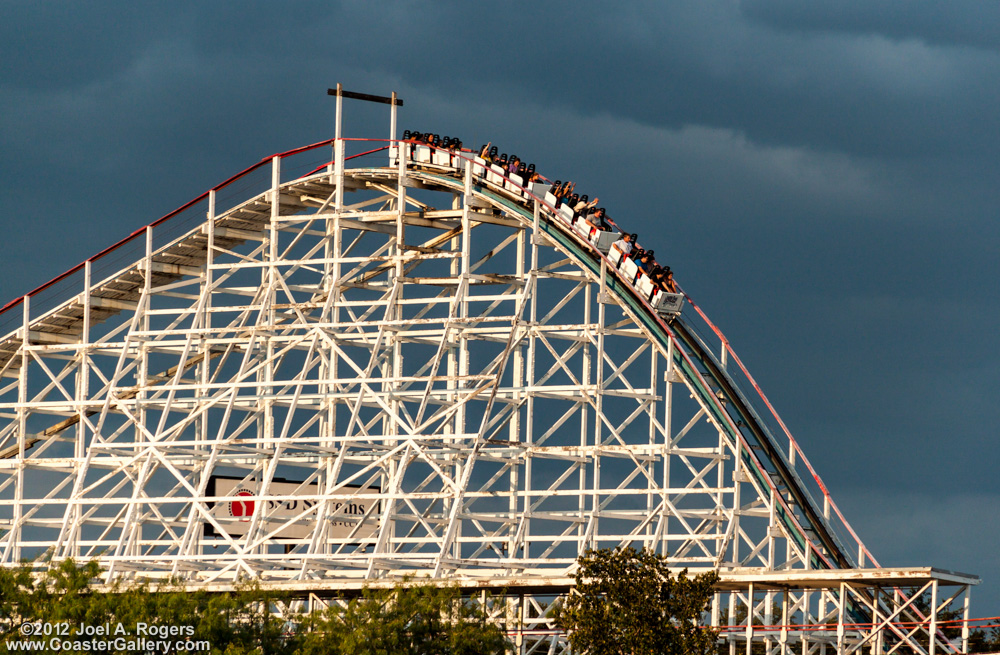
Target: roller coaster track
<point>180,247</point>
<point>731,408</point>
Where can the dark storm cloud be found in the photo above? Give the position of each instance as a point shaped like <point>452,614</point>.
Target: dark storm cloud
<point>64,46</point>
<point>862,92</point>
<point>821,175</point>
<point>956,23</point>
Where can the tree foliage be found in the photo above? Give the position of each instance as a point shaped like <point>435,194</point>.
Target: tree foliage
<point>235,623</point>
<point>982,641</point>
<point>626,602</point>
<point>405,620</point>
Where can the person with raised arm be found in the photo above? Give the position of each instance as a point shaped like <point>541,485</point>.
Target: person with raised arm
<point>584,206</point>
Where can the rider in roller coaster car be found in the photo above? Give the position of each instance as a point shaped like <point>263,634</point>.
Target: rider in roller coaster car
<point>600,218</point>
<point>647,262</point>
<point>624,245</point>
<point>668,280</point>
<point>584,206</point>
<point>594,216</point>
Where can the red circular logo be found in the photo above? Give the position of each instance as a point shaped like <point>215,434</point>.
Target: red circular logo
<point>242,508</point>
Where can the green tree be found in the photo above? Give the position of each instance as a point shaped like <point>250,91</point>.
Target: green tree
<point>235,624</point>
<point>626,602</point>
<point>981,641</point>
<point>410,620</point>
<point>405,620</point>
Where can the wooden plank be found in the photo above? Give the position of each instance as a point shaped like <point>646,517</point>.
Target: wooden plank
<point>495,220</point>
<point>171,258</point>
<point>109,303</point>
<point>365,96</point>
<point>289,199</point>
<point>48,337</point>
<point>56,324</point>
<point>174,269</point>
<point>243,235</point>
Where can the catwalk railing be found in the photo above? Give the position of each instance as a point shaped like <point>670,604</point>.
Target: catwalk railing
<point>112,260</point>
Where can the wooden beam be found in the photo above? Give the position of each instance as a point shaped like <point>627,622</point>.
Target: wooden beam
<point>365,96</point>
<point>174,269</point>
<point>35,336</point>
<point>234,233</point>
<point>110,303</point>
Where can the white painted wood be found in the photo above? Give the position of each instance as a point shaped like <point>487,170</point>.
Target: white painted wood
<point>496,391</point>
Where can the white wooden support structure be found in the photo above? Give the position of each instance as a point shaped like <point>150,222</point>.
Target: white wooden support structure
<point>374,373</point>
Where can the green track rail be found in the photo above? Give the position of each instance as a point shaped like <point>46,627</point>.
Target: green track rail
<point>729,407</point>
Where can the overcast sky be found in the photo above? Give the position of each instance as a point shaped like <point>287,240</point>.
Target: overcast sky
<point>821,175</point>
